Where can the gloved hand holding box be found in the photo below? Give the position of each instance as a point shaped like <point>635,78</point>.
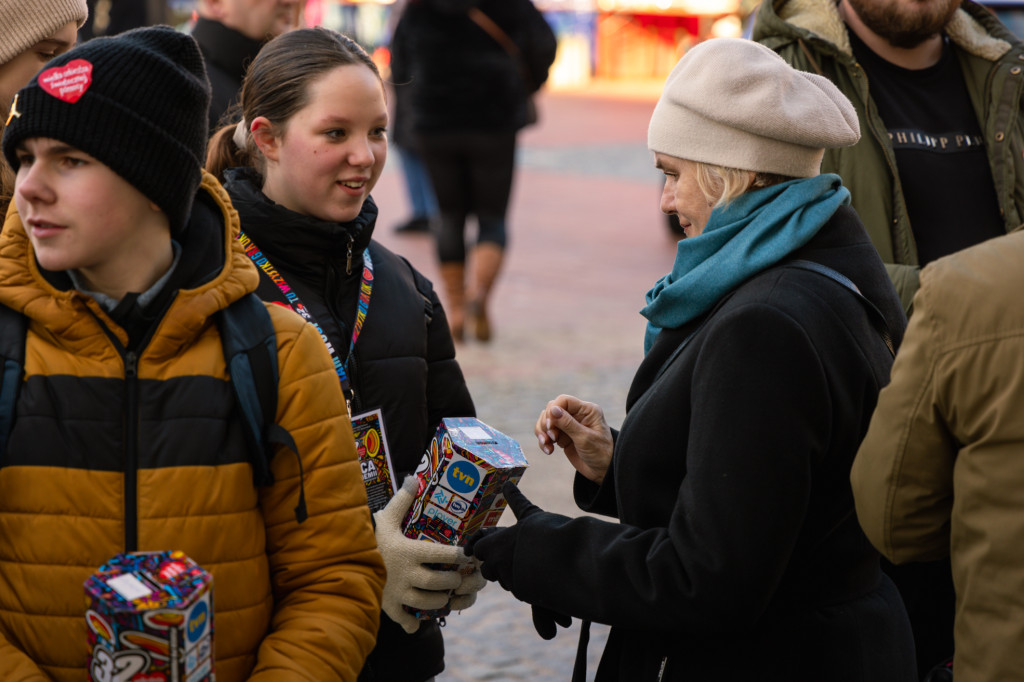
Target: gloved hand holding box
<point>459,483</point>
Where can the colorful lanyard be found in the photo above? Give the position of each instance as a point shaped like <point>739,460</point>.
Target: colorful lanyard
<point>365,289</point>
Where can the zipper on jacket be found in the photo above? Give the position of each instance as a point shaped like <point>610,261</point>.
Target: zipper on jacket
<point>899,252</point>
<point>348,256</point>
<point>131,451</point>
<point>330,297</point>
<point>661,669</point>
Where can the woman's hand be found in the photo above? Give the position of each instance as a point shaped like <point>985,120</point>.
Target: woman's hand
<point>580,430</point>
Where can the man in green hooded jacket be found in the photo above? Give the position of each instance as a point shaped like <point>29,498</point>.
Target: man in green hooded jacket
<point>937,85</point>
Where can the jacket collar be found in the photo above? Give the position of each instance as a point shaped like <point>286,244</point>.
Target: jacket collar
<point>213,272</point>
<point>297,242</point>
<point>227,48</point>
<point>972,28</point>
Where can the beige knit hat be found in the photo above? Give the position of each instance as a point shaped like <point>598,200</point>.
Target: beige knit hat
<point>23,23</point>
<point>735,103</point>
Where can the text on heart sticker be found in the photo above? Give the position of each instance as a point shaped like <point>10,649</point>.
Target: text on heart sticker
<point>68,82</point>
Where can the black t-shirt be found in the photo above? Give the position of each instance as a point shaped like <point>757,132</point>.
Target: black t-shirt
<point>940,151</point>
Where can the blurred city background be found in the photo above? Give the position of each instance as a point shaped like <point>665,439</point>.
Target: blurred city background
<point>603,39</point>
<point>606,40</point>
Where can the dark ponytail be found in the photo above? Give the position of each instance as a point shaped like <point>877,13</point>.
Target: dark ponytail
<point>222,153</point>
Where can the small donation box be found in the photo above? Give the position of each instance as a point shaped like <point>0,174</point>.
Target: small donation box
<point>460,479</point>
<point>150,619</point>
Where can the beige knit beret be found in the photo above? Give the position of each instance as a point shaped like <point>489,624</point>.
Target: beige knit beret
<point>735,103</point>
<point>23,23</point>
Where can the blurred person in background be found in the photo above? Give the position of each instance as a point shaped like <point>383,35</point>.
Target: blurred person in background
<point>471,68</point>
<point>230,33</point>
<point>939,167</point>
<point>300,167</point>
<point>32,32</point>
<point>414,172</point>
<point>736,554</point>
<point>117,16</point>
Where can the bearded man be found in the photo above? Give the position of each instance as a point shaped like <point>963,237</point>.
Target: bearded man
<point>937,85</point>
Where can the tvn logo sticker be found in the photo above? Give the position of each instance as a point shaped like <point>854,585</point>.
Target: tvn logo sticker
<point>462,476</point>
<point>197,621</point>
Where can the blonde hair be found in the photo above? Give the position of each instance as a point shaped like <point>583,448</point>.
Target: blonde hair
<point>722,185</point>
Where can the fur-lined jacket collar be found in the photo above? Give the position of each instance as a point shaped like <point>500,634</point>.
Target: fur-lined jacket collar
<point>972,28</point>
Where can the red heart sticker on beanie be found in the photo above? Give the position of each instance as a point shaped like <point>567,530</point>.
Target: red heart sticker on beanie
<point>68,82</point>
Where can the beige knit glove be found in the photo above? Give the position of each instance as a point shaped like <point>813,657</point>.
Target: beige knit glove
<point>410,582</point>
<point>472,582</point>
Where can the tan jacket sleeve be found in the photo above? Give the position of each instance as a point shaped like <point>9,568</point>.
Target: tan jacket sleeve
<point>327,573</point>
<point>903,474</point>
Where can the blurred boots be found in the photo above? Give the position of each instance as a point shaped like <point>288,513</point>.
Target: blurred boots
<point>486,262</point>
<point>454,277</point>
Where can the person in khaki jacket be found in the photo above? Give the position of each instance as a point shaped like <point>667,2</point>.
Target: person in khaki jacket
<point>941,469</point>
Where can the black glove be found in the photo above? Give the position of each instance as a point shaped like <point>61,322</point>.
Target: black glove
<point>544,621</point>
<point>496,547</point>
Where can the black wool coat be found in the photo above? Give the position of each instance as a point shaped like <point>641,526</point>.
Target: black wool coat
<point>738,555</point>
<point>455,77</point>
<point>404,360</point>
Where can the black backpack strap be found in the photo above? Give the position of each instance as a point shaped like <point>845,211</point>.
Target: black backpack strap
<point>877,319</point>
<point>13,326</point>
<point>579,667</point>
<point>250,351</point>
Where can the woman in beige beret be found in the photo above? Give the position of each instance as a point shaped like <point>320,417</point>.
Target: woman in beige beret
<point>32,32</point>
<point>737,554</point>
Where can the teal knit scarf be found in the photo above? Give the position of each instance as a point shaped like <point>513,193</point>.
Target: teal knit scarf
<point>753,232</point>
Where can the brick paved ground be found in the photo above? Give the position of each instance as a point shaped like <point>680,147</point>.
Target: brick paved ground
<point>586,242</point>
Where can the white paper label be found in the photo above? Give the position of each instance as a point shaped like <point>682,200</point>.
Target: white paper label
<point>476,433</point>
<point>129,587</point>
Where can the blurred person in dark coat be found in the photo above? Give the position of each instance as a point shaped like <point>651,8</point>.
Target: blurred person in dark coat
<point>471,66</point>
<point>120,16</point>
<point>417,180</point>
<point>230,33</point>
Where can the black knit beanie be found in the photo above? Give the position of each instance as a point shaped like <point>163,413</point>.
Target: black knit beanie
<point>137,101</point>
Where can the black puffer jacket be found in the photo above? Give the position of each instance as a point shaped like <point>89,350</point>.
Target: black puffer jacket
<point>738,555</point>
<point>404,360</point>
<point>457,77</point>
